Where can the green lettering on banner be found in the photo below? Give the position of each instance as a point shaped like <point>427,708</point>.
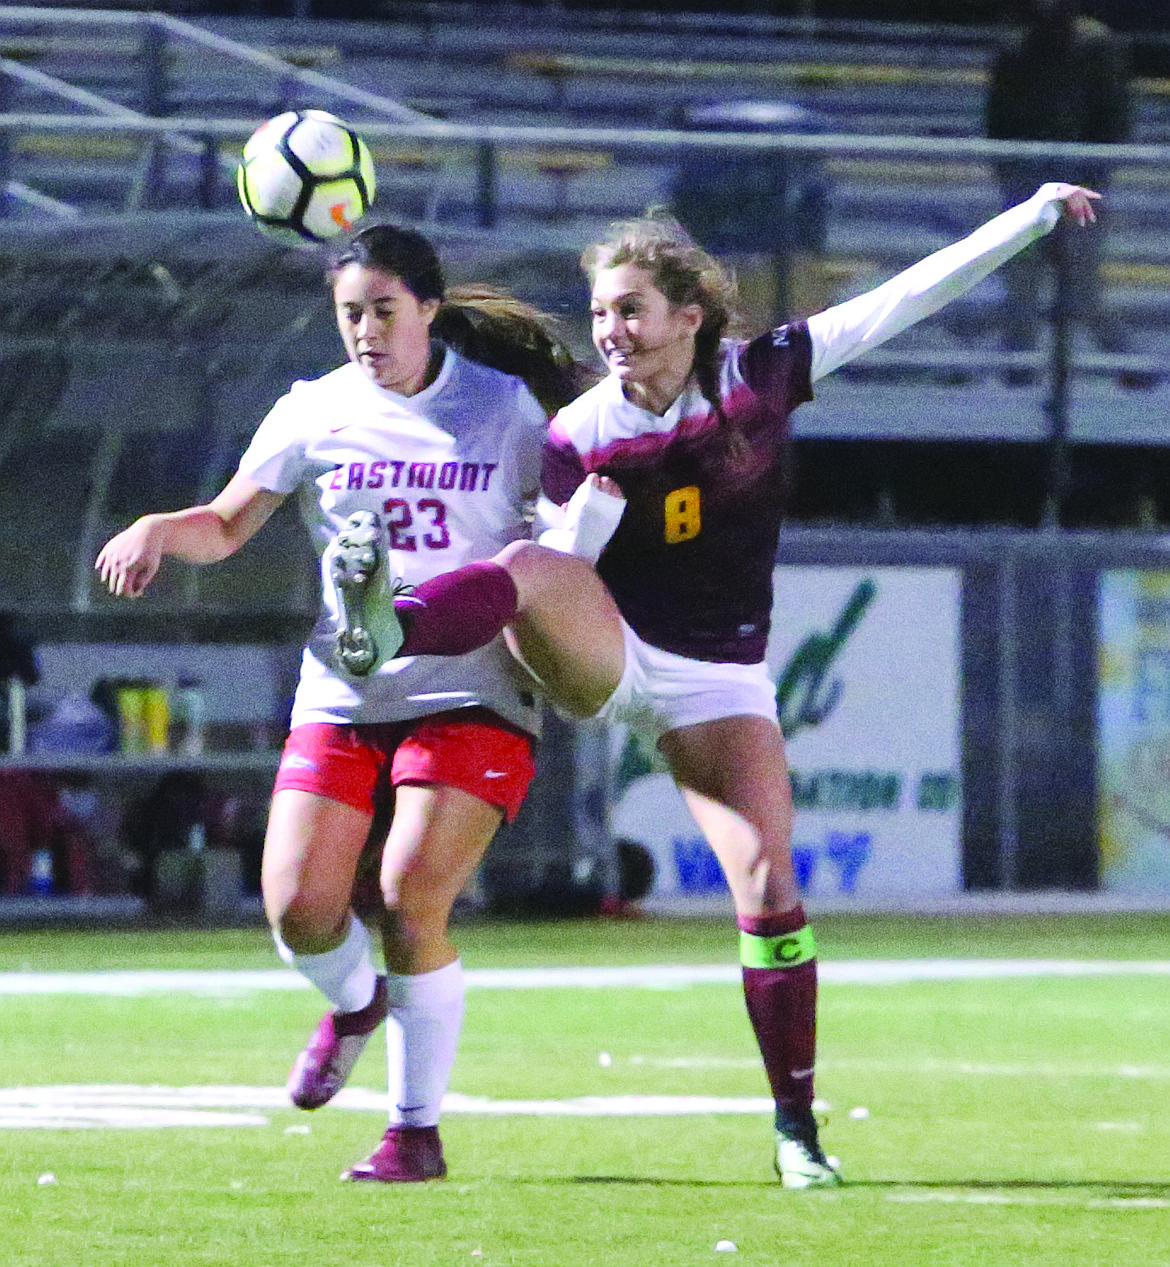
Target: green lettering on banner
<point>847,789</point>
<point>938,790</point>
<point>786,951</point>
<point>803,698</point>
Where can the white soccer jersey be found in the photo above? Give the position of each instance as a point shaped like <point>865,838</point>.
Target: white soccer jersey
<point>452,472</point>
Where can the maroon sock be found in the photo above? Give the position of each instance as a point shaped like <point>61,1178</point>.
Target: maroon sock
<point>458,611</point>
<point>782,1005</point>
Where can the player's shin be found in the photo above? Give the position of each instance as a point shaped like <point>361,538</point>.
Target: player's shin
<point>778,956</point>
<point>458,611</point>
<point>421,1046</point>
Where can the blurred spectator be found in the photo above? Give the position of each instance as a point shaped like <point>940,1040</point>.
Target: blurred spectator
<point>34,821</point>
<point>182,812</point>
<point>1063,77</point>
<point>17,650</point>
<point>762,213</point>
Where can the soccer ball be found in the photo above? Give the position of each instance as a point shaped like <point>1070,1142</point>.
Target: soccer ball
<point>305,177</point>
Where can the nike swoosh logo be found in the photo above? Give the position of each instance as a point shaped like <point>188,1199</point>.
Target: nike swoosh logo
<point>495,774</point>
<point>296,762</point>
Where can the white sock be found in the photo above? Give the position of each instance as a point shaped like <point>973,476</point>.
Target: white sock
<point>345,975</point>
<point>420,1049</point>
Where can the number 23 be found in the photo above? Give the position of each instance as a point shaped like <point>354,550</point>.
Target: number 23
<point>399,520</point>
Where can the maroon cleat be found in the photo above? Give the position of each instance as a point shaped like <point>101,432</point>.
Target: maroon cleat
<point>323,1068</point>
<point>407,1154</point>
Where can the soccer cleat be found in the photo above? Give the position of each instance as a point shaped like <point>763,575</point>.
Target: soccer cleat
<point>323,1068</point>
<point>407,1154</point>
<point>370,632</point>
<point>800,1161</point>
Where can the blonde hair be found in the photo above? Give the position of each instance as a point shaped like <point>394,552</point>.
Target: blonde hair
<point>685,273</point>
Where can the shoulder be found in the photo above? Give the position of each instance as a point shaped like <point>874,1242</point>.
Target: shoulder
<point>781,352</point>
<point>492,388</point>
<point>1009,56</point>
<point>1009,44</point>
<point>345,378</point>
<point>311,400</point>
<point>578,424</point>
<point>465,372</point>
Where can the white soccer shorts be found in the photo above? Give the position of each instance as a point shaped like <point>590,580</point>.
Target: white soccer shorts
<point>660,691</point>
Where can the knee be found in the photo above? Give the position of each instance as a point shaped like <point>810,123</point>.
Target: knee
<point>307,927</point>
<point>538,572</point>
<point>414,937</point>
<point>525,562</point>
<point>514,555</point>
<point>421,910</point>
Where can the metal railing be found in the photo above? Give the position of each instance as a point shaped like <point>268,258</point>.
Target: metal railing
<point>512,190</point>
<point>156,39</point>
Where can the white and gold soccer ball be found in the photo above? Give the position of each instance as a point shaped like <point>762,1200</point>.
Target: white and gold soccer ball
<point>305,176</point>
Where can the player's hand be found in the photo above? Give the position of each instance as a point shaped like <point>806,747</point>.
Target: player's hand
<point>1078,203</point>
<point>606,485</point>
<point>128,562</point>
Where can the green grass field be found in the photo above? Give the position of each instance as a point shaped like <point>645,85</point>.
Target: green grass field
<point>1011,1119</point>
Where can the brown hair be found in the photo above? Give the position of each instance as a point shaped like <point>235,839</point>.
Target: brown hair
<point>480,322</point>
<point>497,329</point>
<point>685,273</point>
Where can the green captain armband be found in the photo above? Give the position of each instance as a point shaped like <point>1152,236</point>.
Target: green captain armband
<point>786,951</point>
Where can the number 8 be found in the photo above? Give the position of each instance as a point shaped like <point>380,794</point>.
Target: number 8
<point>682,514</point>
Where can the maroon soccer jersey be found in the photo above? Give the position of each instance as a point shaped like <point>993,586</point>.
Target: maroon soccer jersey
<point>690,565</point>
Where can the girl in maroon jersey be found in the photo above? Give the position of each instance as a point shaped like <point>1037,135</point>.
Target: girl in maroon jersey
<point>671,474</point>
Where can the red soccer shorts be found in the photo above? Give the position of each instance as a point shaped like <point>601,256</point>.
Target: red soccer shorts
<point>472,750</point>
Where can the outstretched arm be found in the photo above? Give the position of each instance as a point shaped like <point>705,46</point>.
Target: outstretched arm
<point>128,562</point>
<point>845,331</point>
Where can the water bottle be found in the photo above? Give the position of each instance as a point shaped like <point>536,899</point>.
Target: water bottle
<point>188,717</point>
<point>40,873</point>
<point>17,717</point>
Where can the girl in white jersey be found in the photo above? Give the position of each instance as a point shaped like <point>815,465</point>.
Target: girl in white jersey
<point>442,454</point>
<point>671,471</point>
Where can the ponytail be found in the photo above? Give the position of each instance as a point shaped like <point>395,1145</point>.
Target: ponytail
<point>496,329</point>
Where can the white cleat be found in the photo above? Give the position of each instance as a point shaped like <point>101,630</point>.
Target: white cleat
<point>800,1161</point>
<point>369,632</point>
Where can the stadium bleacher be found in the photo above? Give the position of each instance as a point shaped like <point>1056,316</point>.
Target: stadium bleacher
<point>547,101</point>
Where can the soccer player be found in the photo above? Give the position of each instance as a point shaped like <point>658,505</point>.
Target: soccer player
<point>671,471</point>
<point>443,453</point>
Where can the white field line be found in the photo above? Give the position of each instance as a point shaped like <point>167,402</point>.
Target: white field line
<point>929,1066</point>
<point>127,1107</point>
<point>133,983</point>
<point>80,1107</point>
<point>66,1117</point>
<point>114,1105</point>
<point>1030,1198</point>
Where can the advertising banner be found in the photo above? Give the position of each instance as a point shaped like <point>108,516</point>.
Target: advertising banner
<point>1133,731</point>
<point>866,661</point>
